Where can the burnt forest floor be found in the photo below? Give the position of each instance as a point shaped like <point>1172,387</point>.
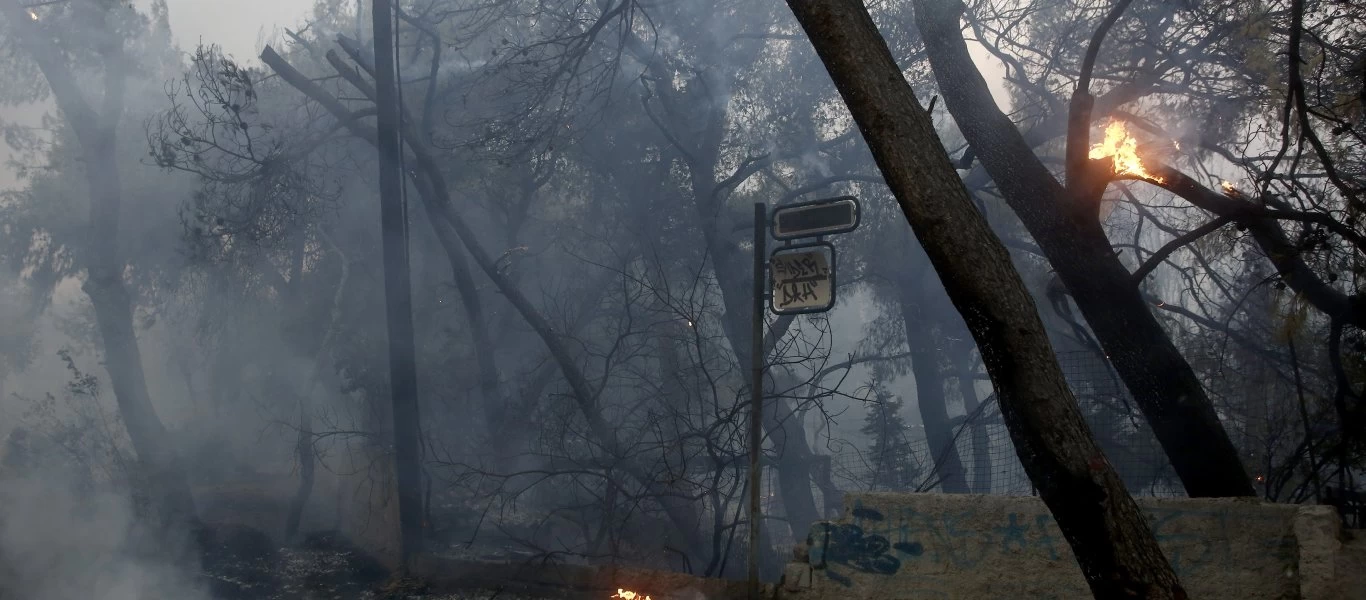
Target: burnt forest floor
<point>239,565</point>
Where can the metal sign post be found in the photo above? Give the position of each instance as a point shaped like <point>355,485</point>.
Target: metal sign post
<point>803,281</point>
<point>756,395</point>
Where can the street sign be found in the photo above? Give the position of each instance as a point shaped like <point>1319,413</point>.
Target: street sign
<point>802,279</point>
<point>815,218</point>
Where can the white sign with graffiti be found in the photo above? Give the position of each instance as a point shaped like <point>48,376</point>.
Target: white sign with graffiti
<point>803,281</point>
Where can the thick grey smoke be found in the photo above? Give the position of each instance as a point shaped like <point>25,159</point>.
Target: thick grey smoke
<point>62,540</point>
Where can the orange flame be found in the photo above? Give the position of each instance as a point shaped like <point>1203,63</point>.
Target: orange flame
<point>1123,150</point>
<point>629,595</point>
<point>1229,190</point>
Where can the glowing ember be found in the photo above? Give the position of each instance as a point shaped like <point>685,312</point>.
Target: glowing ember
<point>1123,150</point>
<point>629,595</point>
<point>1229,190</point>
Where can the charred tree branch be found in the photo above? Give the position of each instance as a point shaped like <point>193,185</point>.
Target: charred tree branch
<point>1167,249</point>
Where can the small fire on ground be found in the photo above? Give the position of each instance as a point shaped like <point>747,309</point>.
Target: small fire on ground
<point>1122,148</point>
<point>629,595</point>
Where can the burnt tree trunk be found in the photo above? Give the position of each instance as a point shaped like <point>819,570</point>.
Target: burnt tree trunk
<point>1109,536</point>
<point>95,130</point>
<point>303,448</point>
<point>1069,233</point>
<point>303,445</point>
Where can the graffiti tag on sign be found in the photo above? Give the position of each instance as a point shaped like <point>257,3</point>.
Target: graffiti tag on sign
<point>801,281</point>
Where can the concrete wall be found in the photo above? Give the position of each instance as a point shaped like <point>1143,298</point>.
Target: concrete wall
<point>940,546</point>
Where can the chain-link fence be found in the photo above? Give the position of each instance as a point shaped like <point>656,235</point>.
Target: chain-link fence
<point>988,456</point>
<point>990,465</point>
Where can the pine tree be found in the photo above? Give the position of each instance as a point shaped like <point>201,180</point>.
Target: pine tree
<point>889,453</point>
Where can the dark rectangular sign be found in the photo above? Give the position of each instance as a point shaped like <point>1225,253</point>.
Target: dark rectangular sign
<point>811,219</point>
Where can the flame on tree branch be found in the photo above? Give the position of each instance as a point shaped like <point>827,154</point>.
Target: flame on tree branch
<point>1122,149</point>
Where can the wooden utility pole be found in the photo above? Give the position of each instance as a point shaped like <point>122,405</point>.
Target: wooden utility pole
<point>397,288</point>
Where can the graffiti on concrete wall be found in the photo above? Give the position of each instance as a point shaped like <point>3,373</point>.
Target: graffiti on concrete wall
<point>846,545</point>
<point>1194,540</point>
<point>1193,550</point>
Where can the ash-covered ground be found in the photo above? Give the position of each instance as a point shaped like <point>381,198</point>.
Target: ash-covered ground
<point>240,563</point>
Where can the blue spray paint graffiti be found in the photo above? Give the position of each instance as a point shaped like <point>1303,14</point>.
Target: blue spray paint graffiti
<point>876,543</point>
<point>847,545</point>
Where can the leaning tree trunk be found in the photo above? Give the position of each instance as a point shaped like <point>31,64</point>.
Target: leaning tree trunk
<point>1163,384</point>
<point>104,264</point>
<point>303,446</point>
<point>1110,538</point>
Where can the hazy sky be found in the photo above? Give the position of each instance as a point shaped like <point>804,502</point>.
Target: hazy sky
<point>235,25</point>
